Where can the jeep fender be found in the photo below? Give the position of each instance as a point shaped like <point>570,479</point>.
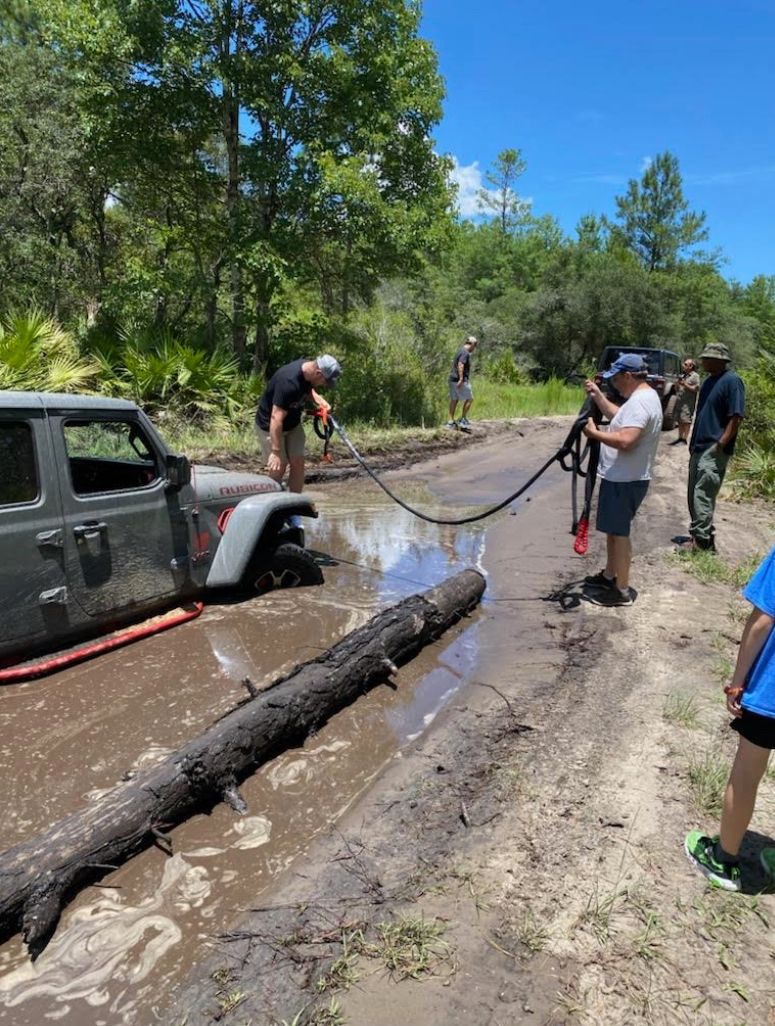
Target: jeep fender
<point>245,533</point>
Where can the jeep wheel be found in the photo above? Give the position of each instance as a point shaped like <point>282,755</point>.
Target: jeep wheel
<point>289,566</point>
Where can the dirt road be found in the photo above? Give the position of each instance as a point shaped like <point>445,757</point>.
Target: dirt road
<point>522,862</point>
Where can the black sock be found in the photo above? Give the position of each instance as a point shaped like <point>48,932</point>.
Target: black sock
<point>723,856</point>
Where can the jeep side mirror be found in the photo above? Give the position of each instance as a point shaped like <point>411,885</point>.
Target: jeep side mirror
<point>178,470</point>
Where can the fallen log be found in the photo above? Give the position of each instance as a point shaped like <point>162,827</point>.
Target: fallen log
<point>39,876</point>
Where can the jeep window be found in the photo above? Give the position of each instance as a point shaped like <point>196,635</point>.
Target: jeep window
<point>109,456</point>
<point>18,474</point>
<point>672,365</point>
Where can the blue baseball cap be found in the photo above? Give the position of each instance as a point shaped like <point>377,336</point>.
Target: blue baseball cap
<point>632,362</point>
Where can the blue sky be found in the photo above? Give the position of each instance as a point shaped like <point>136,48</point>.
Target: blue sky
<point>590,91</point>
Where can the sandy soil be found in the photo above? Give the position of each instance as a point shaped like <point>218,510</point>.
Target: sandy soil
<point>538,827</point>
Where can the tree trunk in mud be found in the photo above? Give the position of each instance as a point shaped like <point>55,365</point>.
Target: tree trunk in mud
<point>38,876</point>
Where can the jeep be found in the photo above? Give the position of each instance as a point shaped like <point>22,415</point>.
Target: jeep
<point>664,368</point>
<point>101,524</point>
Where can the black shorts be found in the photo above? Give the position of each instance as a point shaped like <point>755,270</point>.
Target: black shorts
<point>759,730</point>
<point>617,504</point>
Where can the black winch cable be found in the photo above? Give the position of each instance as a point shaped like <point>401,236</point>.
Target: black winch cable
<point>570,455</point>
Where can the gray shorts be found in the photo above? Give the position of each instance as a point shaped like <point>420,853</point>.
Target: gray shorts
<point>293,443</point>
<point>617,505</point>
<point>462,392</point>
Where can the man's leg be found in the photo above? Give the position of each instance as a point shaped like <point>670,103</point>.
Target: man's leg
<point>452,408</point>
<point>619,551</point>
<point>295,442</point>
<point>709,472</point>
<point>296,474</point>
<point>467,407</point>
<point>740,795</point>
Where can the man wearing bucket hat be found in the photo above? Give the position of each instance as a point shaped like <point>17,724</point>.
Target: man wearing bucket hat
<point>720,409</point>
<point>278,418</point>
<point>627,452</point>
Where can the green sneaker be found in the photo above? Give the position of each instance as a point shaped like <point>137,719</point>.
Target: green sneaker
<point>700,850</point>
<point>767,859</point>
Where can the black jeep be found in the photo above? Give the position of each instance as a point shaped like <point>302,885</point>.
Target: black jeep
<point>664,368</point>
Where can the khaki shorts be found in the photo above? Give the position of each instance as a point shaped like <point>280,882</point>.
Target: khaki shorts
<point>462,392</point>
<point>293,443</point>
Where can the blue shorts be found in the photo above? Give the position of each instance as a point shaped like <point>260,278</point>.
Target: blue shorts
<point>617,505</point>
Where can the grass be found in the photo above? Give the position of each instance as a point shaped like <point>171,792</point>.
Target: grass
<point>531,933</point>
<point>342,973</point>
<point>409,946</point>
<point>680,708</point>
<point>707,778</point>
<point>492,401</point>
<point>709,568</point>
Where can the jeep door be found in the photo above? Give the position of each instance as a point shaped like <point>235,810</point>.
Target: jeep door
<point>33,594</point>
<point>124,531</point>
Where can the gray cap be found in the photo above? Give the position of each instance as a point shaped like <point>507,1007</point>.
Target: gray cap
<point>330,367</point>
<point>472,340</point>
<point>715,351</point>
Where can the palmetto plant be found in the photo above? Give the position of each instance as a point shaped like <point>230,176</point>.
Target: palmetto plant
<point>37,355</point>
<point>161,372</point>
<point>754,472</point>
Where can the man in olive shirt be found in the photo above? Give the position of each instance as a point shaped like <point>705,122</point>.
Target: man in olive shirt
<point>278,418</point>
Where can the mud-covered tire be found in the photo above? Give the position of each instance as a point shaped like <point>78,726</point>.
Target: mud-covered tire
<point>288,566</point>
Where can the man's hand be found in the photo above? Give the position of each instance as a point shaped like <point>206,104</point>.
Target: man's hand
<point>592,389</point>
<point>274,463</point>
<point>590,428</point>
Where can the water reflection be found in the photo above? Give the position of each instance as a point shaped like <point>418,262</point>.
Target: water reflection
<point>122,948</point>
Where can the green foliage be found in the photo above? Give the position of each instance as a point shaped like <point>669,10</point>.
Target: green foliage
<point>655,222</point>
<point>36,354</point>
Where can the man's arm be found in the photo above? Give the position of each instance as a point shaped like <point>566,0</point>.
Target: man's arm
<point>276,422</point>
<point>318,400</point>
<point>606,407</point>
<point>461,372</point>
<point>623,439</point>
<point>729,431</point>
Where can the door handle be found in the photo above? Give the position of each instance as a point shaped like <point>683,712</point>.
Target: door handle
<point>52,538</point>
<point>89,531</point>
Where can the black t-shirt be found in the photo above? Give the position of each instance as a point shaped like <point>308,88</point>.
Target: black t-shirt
<point>288,389</point>
<point>464,357</point>
<point>722,397</point>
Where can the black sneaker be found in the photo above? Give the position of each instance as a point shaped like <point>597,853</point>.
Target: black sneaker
<point>614,597</point>
<point>600,581</point>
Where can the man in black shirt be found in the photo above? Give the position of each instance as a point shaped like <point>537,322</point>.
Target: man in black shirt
<point>278,418</point>
<point>720,409</point>
<point>459,388</point>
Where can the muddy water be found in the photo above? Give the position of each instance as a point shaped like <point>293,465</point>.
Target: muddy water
<point>122,946</point>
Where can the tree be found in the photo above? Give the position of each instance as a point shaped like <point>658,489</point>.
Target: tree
<point>312,119</point>
<point>502,199</point>
<point>655,221</point>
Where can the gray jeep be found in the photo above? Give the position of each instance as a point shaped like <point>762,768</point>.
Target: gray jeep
<point>100,523</point>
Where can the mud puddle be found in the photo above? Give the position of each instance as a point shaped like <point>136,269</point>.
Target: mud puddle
<point>122,947</point>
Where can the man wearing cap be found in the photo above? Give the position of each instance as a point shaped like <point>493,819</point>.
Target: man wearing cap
<point>278,417</point>
<point>459,387</point>
<point>686,388</point>
<point>627,451</point>
<point>720,409</point>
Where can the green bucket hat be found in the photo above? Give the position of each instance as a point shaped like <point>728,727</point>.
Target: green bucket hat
<point>715,351</point>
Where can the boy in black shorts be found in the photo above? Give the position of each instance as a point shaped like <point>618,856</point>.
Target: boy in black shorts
<point>751,701</point>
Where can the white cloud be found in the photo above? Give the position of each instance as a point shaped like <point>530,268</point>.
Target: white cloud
<point>468,179</point>
<point>645,164</point>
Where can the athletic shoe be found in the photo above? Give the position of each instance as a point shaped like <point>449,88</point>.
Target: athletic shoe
<point>701,851</point>
<point>767,859</point>
<point>451,424</point>
<point>678,441</point>
<point>613,597</point>
<point>600,581</point>
<point>464,422</point>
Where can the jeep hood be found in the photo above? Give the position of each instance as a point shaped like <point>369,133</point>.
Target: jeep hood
<point>216,483</point>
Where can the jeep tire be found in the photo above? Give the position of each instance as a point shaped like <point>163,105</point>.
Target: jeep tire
<point>288,566</point>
